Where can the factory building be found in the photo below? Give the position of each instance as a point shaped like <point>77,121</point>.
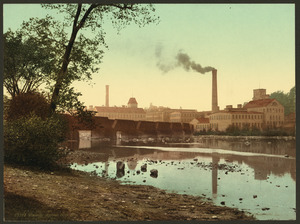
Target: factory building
<point>240,119</point>
<point>273,111</point>
<point>183,116</point>
<point>165,114</point>
<point>131,112</point>
<point>200,124</point>
<point>262,112</point>
<point>122,113</point>
<point>158,114</point>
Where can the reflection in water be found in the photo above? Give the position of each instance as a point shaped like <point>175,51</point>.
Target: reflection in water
<point>120,169</point>
<point>85,143</point>
<point>215,161</point>
<point>264,180</point>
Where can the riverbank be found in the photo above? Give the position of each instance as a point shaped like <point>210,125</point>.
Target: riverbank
<point>34,195</point>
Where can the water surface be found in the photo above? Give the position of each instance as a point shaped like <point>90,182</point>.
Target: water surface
<point>255,176</point>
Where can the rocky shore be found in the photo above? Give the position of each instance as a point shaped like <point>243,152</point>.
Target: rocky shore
<point>35,195</point>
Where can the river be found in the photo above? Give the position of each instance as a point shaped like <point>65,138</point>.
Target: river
<point>256,175</point>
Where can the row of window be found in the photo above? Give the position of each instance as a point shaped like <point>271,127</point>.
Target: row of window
<point>220,117</point>
<point>275,117</point>
<point>240,125</point>
<point>274,110</point>
<point>236,116</point>
<point>202,126</point>
<point>122,115</point>
<point>275,123</point>
<point>188,115</point>
<point>183,115</point>
<point>247,116</point>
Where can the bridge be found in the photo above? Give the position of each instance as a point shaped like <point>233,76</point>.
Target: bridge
<point>102,127</point>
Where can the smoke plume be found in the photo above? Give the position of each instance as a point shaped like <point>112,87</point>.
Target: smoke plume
<point>184,61</point>
<point>181,60</point>
<point>162,64</point>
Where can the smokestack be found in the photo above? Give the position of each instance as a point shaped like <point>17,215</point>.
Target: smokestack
<point>215,107</point>
<point>107,96</point>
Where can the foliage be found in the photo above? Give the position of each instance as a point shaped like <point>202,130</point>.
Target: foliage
<point>26,103</point>
<point>43,52</point>
<point>288,100</point>
<point>85,117</point>
<point>51,35</point>
<point>26,63</point>
<point>91,17</point>
<point>31,140</point>
<point>68,100</point>
<point>34,54</point>
<point>6,102</point>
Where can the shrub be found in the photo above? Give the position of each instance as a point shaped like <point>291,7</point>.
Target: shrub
<point>31,140</point>
<point>26,103</point>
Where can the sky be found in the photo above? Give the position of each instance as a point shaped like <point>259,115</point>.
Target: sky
<point>251,45</point>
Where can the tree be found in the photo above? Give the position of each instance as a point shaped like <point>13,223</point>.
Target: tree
<point>292,100</point>
<point>287,100</point>
<point>91,16</point>
<point>33,55</point>
<point>40,52</point>
<point>26,63</point>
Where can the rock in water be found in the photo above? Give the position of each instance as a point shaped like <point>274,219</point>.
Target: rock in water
<point>144,168</point>
<point>154,173</point>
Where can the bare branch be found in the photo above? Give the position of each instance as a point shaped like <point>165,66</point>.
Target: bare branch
<point>125,6</point>
<point>87,14</point>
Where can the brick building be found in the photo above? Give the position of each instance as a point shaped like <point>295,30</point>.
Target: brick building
<point>183,116</point>
<point>200,124</point>
<point>262,112</point>
<point>131,112</point>
<point>241,119</point>
<point>273,111</point>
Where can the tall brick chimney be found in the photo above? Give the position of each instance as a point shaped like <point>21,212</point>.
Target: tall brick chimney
<point>214,107</point>
<point>107,96</point>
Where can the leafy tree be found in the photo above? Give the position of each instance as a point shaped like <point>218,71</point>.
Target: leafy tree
<point>91,17</point>
<point>292,100</point>
<point>48,56</point>
<point>26,63</point>
<point>33,56</point>
<point>288,100</point>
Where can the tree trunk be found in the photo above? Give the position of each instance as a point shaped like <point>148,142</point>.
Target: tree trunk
<point>61,76</point>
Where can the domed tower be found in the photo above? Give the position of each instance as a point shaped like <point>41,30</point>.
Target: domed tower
<point>132,103</point>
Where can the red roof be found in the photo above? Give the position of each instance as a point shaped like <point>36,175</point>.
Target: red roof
<point>119,110</point>
<point>132,100</point>
<point>258,103</point>
<point>203,120</point>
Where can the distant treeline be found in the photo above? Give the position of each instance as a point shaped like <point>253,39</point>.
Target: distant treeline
<point>288,100</point>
